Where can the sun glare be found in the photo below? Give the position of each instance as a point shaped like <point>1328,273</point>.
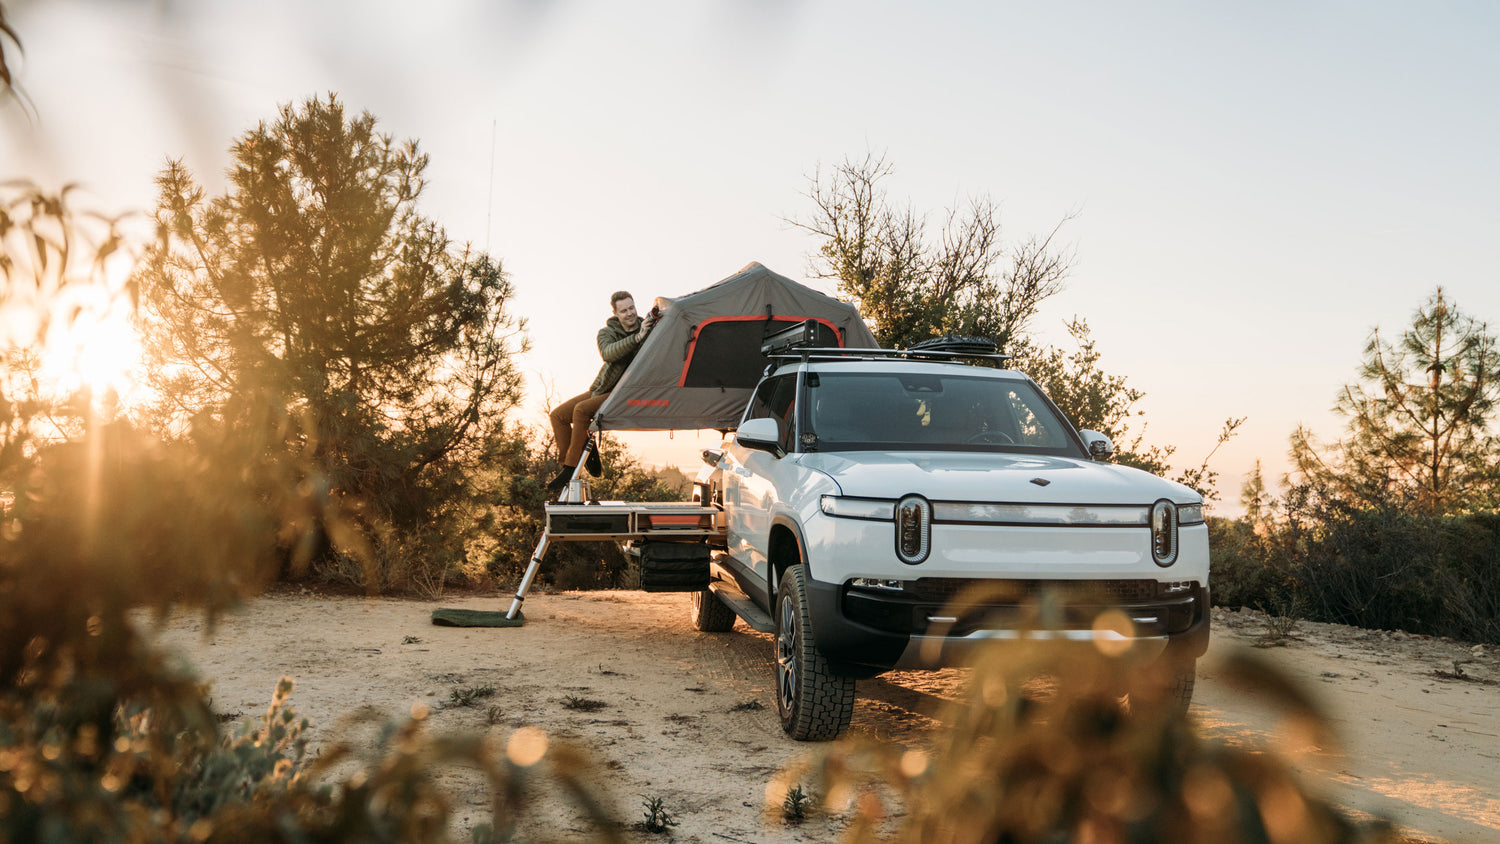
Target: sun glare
<point>91,345</point>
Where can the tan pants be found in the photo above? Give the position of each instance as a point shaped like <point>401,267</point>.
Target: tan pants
<point>570,425</point>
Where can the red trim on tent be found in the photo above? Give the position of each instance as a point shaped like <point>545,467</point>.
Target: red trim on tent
<point>647,402</point>
<point>698,330</point>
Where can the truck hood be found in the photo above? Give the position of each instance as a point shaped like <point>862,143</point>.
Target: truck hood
<point>1011,478</point>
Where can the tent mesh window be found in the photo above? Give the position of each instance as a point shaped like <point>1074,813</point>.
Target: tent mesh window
<point>716,354</point>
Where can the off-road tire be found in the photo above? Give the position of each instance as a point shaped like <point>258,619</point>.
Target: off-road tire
<point>674,566</point>
<point>1180,687</point>
<point>710,615</point>
<point>814,703</point>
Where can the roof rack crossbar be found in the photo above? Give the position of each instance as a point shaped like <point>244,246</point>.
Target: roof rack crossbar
<point>834,353</point>
<point>796,343</point>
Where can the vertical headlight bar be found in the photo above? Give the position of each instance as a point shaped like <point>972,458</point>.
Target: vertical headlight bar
<point>913,529</point>
<point>1164,533</point>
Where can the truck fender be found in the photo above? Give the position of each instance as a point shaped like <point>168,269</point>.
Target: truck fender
<point>790,524</point>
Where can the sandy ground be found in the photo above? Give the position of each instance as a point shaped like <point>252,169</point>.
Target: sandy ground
<point>689,718</point>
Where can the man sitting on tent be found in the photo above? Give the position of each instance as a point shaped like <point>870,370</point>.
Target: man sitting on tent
<point>619,340</point>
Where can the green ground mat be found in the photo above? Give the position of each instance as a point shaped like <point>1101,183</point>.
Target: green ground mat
<point>450,617</point>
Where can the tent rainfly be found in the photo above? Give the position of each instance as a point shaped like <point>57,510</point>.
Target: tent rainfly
<point>701,362</point>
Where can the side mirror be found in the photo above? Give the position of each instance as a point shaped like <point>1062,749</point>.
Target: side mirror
<point>760,434</point>
<point>1099,446</point>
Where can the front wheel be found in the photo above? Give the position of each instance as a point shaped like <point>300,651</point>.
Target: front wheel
<point>814,703</point>
<point>1180,686</point>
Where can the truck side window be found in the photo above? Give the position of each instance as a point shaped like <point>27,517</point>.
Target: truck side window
<point>776,399</point>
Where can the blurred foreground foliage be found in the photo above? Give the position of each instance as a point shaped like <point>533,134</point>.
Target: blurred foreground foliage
<point>102,737</point>
<point>1057,742</point>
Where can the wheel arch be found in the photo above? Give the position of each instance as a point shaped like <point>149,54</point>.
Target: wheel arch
<point>785,547</point>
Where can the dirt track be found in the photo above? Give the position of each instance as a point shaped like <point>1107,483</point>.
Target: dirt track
<point>688,717</point>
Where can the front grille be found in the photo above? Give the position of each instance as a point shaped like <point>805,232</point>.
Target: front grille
<point>944,589</point>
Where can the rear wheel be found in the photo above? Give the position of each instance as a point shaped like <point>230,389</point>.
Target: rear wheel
<point>709,613</point>
<point>814,703</point>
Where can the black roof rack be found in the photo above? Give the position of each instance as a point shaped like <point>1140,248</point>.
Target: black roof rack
<point>836,353</point>
<point>954,343</point>
<point>795,343</point>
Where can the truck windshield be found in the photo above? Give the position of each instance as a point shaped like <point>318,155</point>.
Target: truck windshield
<point>895,411</point>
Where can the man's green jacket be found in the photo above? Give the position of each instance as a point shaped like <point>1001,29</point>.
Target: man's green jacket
<point>618,347</point>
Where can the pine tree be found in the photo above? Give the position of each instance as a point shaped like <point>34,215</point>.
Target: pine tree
<point>1418,419</point>
<point>315,286</point>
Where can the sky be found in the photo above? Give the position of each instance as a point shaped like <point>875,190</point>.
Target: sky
<point>1249,188</point>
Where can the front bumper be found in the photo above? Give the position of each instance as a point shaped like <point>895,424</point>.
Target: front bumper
<point>935,622</point>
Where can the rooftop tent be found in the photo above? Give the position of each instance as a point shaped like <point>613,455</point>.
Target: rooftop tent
<point>702,360</point>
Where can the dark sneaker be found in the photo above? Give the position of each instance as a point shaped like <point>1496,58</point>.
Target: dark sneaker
<point>556,485</point>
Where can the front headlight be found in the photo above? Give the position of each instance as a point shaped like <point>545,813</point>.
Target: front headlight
<point>1164,533</point>
<point>913,529</point>
<point>1189,514</point>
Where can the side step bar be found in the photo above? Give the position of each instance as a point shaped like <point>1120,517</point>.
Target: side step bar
<point>742,606</point>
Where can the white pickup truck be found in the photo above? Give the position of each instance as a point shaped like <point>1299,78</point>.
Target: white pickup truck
<point>864,489</point>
